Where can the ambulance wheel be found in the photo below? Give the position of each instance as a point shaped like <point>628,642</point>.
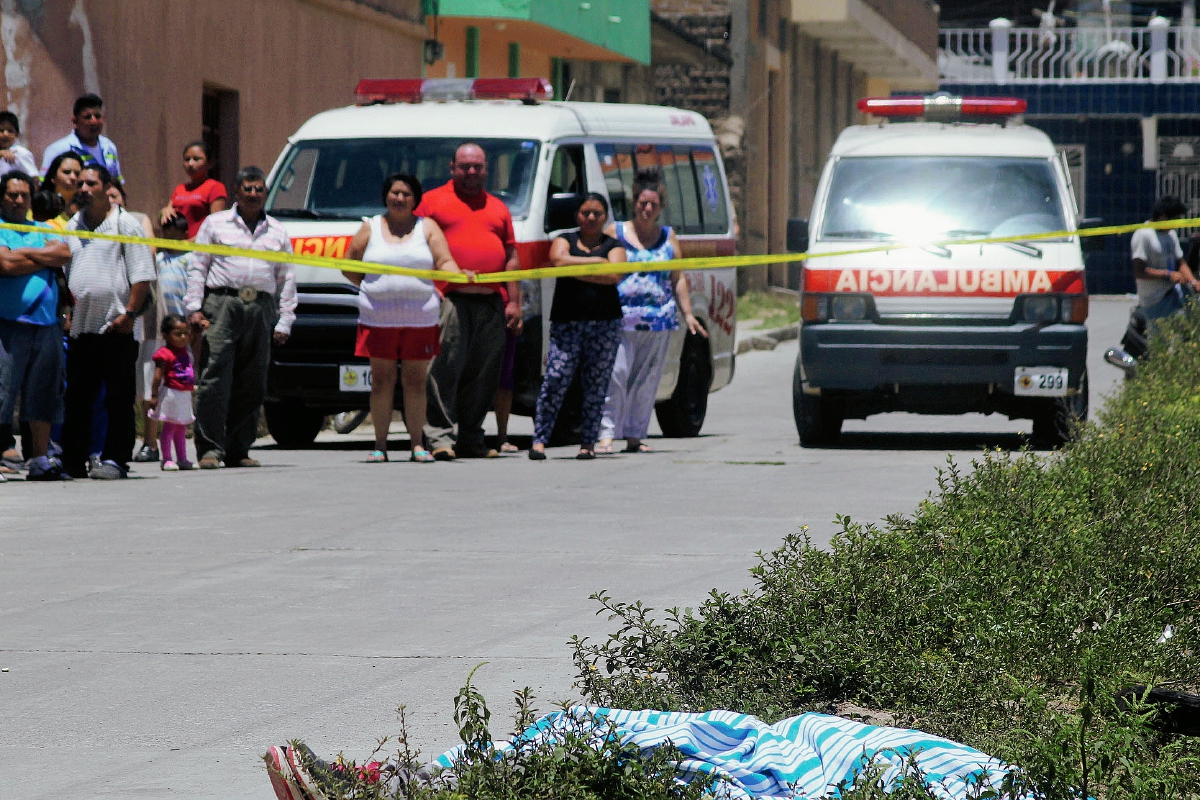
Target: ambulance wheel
<point>1054,423</point>
<point>292,425</point>
<point>682,415</point>
<point>818,421</point>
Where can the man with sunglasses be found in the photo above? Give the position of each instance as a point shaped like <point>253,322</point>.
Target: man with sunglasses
<point>465,375</point>
<point>239,306</point>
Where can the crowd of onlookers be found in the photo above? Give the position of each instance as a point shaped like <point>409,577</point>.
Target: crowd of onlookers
<point>92,329</point>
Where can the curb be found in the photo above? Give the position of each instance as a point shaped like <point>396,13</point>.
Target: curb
<point>767,340</point>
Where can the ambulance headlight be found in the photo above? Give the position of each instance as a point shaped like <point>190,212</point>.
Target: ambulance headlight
<point>1040,308</point>
<point>848,307</point>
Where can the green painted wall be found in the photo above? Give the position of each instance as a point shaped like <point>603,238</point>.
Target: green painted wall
<point>622,26</point>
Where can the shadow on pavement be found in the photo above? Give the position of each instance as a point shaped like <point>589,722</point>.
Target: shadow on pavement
<point>891,440</point>
<point>396,444</point>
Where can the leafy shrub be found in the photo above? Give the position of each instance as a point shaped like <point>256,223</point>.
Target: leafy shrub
<point>575,761</point>
<point>1006,613</point>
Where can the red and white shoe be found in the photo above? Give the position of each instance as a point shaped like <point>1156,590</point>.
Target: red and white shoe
<point>283,778</point>
<point>303,778</point>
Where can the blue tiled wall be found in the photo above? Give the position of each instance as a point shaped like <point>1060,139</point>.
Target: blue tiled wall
<point>1105,117</point>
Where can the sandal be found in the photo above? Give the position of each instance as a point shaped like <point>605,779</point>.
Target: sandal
<point>421,455</point>
<point>603,449</point>
<point>642,447</point>
<point>376,457</point>
<point>585,454</point>
<point>509,447</point>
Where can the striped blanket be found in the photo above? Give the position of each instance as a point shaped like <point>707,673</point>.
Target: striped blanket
<point>807,756</point>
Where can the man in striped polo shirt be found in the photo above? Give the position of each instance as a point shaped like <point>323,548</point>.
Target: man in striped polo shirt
<point>109,281</point>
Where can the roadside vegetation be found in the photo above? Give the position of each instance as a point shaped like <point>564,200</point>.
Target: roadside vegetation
<point>774,309</point>
<point>1034,608</point>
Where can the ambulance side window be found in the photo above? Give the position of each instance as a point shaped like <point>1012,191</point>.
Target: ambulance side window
<point>617,165</point>
<point>568,182</point>
<point>567,171</point>
<point>710,190</point>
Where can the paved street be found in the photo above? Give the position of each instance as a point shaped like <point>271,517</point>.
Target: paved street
<point>159,633</point>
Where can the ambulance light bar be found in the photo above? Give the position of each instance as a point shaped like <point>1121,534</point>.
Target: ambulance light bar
<point>414,90</point>
<point>942,106</point>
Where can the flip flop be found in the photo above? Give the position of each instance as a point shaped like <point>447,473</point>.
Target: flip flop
<point>376,457</point>
<point>585,454</point>
<point>641,448</point>
<point>603,450</point>
<point>421,455</point>
<point>509,447</point>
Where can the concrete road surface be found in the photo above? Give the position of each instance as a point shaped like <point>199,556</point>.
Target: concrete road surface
<point>159,633</point>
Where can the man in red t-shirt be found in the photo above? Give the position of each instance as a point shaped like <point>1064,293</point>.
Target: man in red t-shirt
<point>464,377</point>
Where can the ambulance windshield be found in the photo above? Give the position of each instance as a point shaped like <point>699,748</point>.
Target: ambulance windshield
<point>928,198</point>
<point>341,178</point>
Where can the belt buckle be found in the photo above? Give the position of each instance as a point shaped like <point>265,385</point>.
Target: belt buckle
<point>248,294</point>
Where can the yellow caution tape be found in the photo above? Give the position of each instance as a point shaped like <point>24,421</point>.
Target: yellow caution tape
<point>578,270</point>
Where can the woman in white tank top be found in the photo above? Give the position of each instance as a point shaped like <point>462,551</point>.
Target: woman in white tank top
<point>397,314</point>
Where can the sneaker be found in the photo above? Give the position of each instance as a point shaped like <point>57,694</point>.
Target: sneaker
<point>47,469</point>
<point>147,455</point>
<point>302,760</point>
<point>185,465</point>
<point>283,780</point>
<point>210,462</point>
<point>93,462</point>
<point>169,466</point>
<point>108,471</point>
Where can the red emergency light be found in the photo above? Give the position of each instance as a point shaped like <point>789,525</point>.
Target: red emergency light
<point>414,90</point>
<point>942,106</point>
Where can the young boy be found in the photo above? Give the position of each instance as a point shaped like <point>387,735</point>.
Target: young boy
<point>12,155</point>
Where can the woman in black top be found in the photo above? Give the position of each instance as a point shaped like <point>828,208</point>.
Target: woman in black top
<point>585,327</point>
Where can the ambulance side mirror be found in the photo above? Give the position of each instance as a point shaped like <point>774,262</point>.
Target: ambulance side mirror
<point>560,210</point>
<point>797,236</point>
<point>1091,244</point>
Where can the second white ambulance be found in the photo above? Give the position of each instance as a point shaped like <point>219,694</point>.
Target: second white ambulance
<point>941,329</point>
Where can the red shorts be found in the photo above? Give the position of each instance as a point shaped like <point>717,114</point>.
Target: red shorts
<point>398,344</point>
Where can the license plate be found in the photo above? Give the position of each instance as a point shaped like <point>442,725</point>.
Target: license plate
<point>1041,381</point>
<point>354,377</point>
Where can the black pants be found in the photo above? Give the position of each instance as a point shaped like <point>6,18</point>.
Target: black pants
<point>95,360</point>
<point>232,380</point>
<point>464,378</point>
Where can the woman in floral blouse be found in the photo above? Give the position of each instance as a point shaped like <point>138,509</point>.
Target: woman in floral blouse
<point>650,305</point>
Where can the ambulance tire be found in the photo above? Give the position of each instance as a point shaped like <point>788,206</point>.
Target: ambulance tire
<point>293,426</point>
<point>818,421</point>
<point>1055,423</point>
<point>682,415</point>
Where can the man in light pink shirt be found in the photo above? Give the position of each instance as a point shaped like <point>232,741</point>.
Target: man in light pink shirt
<point>240,305</point>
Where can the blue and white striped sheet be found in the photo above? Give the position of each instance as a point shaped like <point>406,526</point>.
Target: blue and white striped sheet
<point>801,757</point>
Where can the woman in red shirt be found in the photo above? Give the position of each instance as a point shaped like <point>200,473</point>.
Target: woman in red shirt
<point>200,195</point>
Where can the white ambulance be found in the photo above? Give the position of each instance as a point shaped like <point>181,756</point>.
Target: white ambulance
<point>542,156</point>
<point>932,328</point>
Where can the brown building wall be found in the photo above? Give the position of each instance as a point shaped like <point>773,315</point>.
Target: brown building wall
<point>153,60</point>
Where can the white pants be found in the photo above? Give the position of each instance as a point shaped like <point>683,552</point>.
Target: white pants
<point>634,384</point>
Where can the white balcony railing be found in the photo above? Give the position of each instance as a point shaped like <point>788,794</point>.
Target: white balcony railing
<point>1157,53</point>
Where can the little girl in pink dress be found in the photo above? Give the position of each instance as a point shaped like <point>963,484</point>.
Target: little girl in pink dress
<point>171,392</point>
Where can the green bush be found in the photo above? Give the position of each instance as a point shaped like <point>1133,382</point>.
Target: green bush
<point>1006,613</point>
<point>576,761</point>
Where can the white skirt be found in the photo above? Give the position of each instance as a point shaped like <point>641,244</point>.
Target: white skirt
<point>175,406</point>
